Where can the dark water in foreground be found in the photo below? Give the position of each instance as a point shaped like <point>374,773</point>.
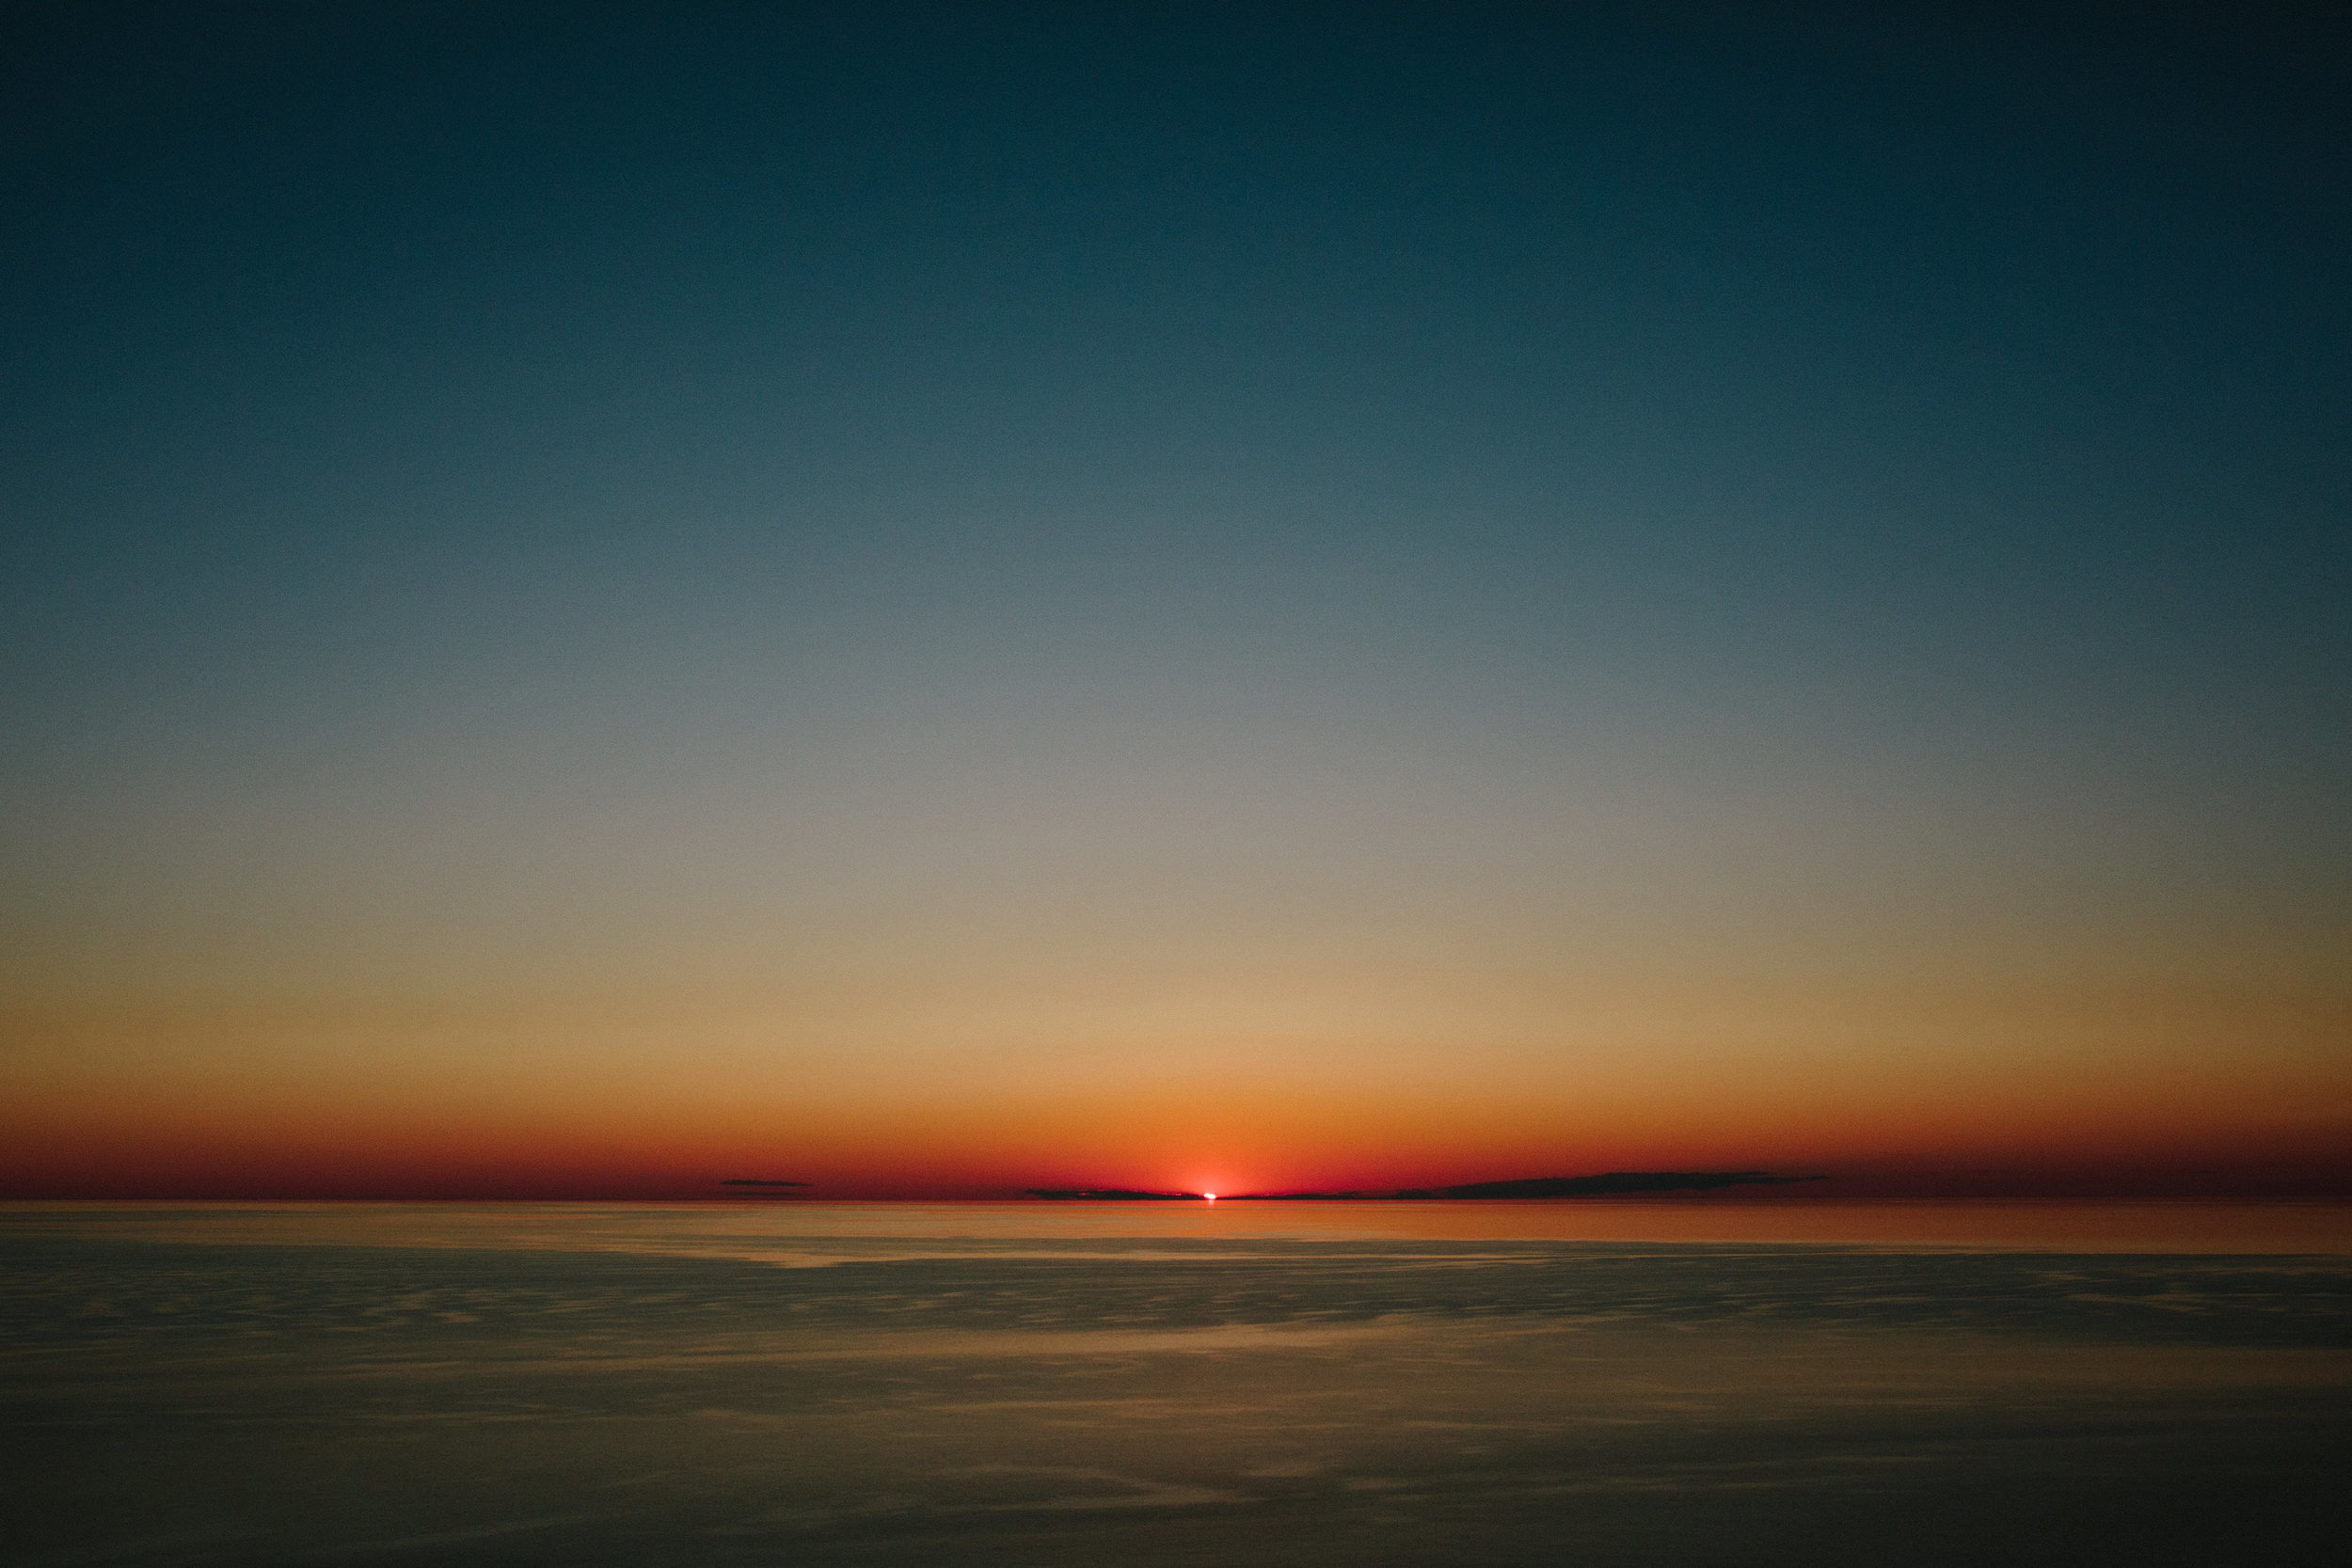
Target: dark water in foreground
<point>1025,1386</point>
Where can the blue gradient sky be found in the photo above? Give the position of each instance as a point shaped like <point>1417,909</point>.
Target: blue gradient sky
<point>1296,590</point>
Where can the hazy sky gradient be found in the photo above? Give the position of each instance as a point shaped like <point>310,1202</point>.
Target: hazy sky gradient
<point>920,598</point>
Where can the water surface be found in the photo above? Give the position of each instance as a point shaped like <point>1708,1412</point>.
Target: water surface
<point>1040,1383</point>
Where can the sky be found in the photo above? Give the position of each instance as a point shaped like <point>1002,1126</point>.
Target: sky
<point>938,599</point>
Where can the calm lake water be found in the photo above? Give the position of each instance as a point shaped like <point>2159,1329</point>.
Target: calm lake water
<point>1504,1383</point>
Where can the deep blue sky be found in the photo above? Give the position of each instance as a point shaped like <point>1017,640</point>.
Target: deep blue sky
<point>530,491</point>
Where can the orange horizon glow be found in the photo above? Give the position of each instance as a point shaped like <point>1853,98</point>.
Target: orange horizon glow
<point>1207,1044</point>
<point>589,1125</point>
<point>1002,1150</point>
